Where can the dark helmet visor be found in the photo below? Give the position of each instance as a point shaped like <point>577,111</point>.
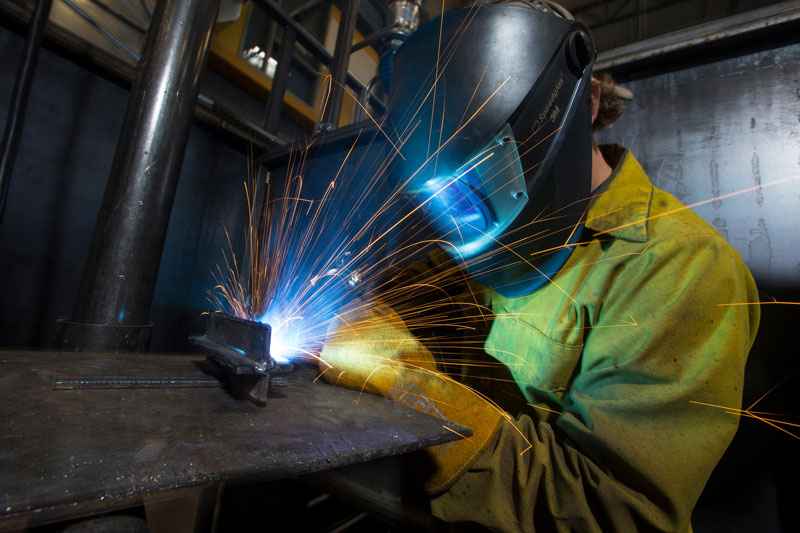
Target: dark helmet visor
<point>473,205</point>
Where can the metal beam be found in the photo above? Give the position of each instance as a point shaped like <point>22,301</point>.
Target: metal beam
<point>341,54</point>
<point>19,97</point>
<point>309,8</point>
<point>718,30</point>
<point>280,80</point>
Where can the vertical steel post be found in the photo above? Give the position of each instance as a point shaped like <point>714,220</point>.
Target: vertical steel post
<point>116,292</point>
<point>341,61</point>
<point>280,80</point>
<point>19,97</point>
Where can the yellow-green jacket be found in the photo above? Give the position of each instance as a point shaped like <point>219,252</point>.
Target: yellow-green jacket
<point>616,358</point>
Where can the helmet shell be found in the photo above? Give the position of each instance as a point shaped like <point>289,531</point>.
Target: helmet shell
<point>460,79</point>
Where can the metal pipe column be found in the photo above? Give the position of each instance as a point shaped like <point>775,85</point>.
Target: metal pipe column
<point>116,292</point>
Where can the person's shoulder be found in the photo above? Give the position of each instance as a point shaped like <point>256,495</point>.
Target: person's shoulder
<point>629,201</point>
<point>670,218</point>
<point>678,234</point>
<point>667,216</point>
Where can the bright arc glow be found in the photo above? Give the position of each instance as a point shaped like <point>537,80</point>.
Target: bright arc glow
<point>285,340</point>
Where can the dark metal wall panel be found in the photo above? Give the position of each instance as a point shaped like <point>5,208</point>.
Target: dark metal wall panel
<point>210,197</point>
<point>723,129</point>
<point>72,124</point>
<point>54,195</point>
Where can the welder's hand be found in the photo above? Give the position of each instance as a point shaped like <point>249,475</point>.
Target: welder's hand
<point>371,349</point>
<point>374,351</point>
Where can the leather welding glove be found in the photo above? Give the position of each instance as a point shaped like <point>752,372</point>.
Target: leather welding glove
<point>374,351</point>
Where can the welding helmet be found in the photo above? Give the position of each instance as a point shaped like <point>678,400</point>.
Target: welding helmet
<point>491,105</point>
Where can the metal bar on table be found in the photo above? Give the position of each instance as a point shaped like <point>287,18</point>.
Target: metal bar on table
<point>19,97</point>
<point>281,80</point>
<point>107,382</point>
<point>341,54</point>
<point>119,280</point>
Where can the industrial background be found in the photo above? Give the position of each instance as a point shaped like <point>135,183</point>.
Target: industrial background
<point>715,121</point>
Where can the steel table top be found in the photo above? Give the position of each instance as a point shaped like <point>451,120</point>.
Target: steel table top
<point>71,453</point>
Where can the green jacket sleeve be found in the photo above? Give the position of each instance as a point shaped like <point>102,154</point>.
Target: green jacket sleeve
<point>631,451</point>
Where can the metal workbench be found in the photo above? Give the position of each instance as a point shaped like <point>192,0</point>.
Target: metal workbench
<point>73,453</point>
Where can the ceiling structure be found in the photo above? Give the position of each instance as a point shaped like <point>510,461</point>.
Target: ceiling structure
<point>616,23</point>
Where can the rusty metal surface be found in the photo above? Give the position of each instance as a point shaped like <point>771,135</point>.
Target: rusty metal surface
<point>70,453</point>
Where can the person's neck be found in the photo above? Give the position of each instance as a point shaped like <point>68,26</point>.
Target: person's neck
<point>601,170</point>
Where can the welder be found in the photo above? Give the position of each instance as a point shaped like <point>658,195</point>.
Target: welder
<point>602,296</point>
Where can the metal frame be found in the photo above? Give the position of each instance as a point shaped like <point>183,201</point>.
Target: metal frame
<point>337,63</point>
<point>341,60</point>
<point>702,34</point>
<point>286,20</point>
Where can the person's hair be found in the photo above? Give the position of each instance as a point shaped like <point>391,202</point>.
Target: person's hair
<point>610,102</point>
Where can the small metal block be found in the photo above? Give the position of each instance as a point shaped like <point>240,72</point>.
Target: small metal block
<point>242,348</point>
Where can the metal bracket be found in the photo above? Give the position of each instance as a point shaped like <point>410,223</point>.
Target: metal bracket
<point>241,348</point>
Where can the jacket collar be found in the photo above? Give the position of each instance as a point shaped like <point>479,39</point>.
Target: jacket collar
<point>620,207</point>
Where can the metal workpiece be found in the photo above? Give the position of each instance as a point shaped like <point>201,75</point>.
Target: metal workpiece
<point>74,453</point>
<point>241,348</point>
<point>246,339</point>
<point>19,97</point>
<point>120,275</point>
<point>238,348</point>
